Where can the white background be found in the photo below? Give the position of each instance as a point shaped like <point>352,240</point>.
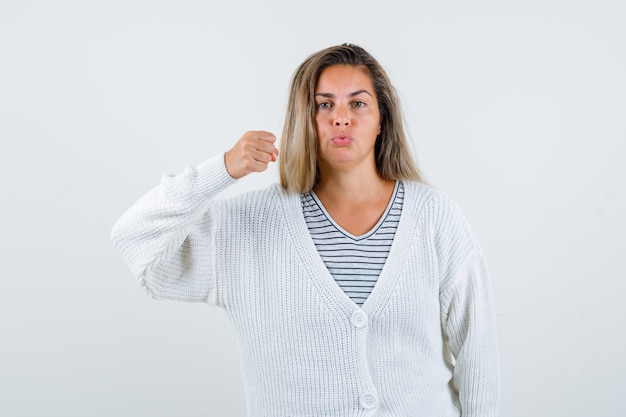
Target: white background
<point>516,109</point>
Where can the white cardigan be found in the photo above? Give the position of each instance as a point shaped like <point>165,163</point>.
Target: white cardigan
<point>423,343</point>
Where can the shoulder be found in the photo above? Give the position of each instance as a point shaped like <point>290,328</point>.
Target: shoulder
<point>441,220</point>
<point>264,202</point>
<point>430,199</point>
<point>443,214</point>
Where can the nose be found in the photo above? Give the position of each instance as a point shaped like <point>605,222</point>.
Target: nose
<point>341,117</point>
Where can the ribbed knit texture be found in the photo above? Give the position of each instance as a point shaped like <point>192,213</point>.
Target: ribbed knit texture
<point>306,348</point>
<point>354,261</point>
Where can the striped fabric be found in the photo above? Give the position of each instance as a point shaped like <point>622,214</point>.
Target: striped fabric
<point>354,261</point>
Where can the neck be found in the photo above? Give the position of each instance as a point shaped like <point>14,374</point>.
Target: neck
<point>352,187</point>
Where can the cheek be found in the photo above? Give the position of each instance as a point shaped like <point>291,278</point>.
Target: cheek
<point>318,124</point>
<point>318,132</point>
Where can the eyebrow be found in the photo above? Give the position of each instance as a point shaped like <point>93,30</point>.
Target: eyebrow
<point>356,93</point>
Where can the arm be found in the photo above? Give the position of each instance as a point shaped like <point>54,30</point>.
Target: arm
<point>467,313</point>
<point>470,328</point>
<point>167,236</point>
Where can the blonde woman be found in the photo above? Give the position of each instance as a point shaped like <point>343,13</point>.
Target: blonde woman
<point>354,289</point>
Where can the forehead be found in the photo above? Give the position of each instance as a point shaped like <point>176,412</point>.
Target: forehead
<point>345,77</point>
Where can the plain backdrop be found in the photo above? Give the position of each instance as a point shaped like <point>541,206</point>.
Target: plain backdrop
<point>516,109</point>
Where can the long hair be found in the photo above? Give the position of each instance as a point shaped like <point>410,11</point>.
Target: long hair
<point>297,164</point>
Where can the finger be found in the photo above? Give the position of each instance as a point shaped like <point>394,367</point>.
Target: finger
<point>264,157</point>
<point>257,166</point>
<point>265,136</point>
<point>263,146</point>
<point>274,155</point>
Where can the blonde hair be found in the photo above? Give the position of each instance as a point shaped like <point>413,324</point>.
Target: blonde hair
<point>297,164</point>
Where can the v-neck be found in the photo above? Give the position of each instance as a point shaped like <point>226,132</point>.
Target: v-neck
<point>415,197</point>
<point>367,234</point>
<point>336,299</point>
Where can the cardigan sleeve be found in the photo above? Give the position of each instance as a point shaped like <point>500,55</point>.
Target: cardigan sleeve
<point>167,236</point>
<point>470,330</point>
<point>468,317</point>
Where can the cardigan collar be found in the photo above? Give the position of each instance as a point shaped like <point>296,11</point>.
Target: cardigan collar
<point>415,197</point>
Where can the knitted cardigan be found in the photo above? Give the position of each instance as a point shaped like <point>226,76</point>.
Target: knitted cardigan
<point>422,344</point>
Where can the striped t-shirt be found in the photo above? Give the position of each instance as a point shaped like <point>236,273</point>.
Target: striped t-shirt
<point>354,261</point>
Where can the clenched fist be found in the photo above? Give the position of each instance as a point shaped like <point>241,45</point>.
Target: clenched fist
<point>252,153</point>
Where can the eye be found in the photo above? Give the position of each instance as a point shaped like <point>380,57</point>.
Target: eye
<point>324,105</point>
<point>358,104</point>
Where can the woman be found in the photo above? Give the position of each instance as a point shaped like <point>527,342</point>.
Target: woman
<point>353,288</point>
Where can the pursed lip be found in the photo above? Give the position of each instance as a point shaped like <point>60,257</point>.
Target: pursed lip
<point>341,139</point>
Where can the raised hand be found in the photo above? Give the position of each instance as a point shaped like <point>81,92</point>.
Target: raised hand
<point>252,153</point>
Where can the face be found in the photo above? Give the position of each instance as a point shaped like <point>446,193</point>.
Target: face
<point>347,118</point>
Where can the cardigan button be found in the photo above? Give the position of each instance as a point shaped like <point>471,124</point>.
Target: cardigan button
<point>369,401</point>
<point>359,319</point>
